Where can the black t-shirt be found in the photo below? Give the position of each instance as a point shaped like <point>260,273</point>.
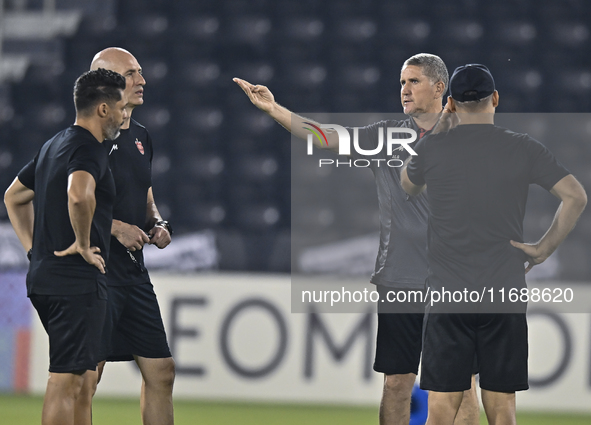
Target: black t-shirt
<point>402,255</point>
<point>478,178</point>
<point>73,149</point>
<point>130,157</point>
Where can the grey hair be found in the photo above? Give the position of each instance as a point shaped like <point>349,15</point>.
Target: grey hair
<point>432,66</point>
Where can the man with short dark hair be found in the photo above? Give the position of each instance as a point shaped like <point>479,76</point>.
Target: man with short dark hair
<point>477,207</point>
<point>66,233</point>
<point>401,263</point>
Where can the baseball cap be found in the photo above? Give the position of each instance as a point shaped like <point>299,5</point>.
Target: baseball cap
<point>471,82</point>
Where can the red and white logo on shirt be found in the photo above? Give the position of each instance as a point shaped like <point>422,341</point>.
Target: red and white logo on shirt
<point>139,145</point>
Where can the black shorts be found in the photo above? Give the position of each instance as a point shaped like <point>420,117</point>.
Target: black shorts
<point>398,345</point>
<point>133,325</point>
<point>74,324</point>
<point>450,342</point>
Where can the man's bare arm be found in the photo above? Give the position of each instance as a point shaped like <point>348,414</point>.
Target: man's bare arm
<point>263,99</point>
<point>19,204</point>
<point>574,199</point>
<point>134,238</point>
<point>159,235</point>
<point>129,235</point>
<point>81,206</point>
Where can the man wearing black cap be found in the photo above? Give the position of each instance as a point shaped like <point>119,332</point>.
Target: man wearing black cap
<point>477,205</point>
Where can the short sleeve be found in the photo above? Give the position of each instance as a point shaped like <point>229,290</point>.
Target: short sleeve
<point>416,169</point>
<point>89,157</point>
<point>27,175</point>
<point>545,170</point>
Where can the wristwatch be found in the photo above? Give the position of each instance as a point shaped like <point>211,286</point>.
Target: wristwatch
<point>165,225</point>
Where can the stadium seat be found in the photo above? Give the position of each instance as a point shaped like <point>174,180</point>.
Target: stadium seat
<point>517,33</point>
<point>570,34</point>
<point>249,29</point>
<point>200,73</point>
<point>307,29</point>
<point>203,119</point>
<point>198,27</point>
<point>308,75</point>
<point>465,32</point>
<point>258,216</point>
<point>151,26</point>
<point>361,29</point>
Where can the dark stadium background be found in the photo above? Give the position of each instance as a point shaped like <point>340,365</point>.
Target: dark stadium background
<point>223,170</point>
<point>221,164</point>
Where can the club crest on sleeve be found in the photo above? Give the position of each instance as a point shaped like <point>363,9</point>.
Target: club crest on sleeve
<point>139,145</point>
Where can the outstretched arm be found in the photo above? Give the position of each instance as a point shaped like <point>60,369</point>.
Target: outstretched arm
<point>81,205</point>
<point>19,204</point>
<point>574,200</point>
<point>263,99</point>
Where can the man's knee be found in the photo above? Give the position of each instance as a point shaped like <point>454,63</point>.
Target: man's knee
<point>89,385</point>
<point>399,386</point>
<point>159,372</point>
<point>68,384</point>
<point>168,371</point>
<point>78,383</point>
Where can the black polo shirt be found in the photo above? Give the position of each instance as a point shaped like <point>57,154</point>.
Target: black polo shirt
<point>478,178</point>
<point>130,157</point>
<point>73,149</point>
<point>402,254</point>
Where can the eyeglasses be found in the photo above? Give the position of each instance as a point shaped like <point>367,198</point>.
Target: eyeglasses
<point>136,262</point>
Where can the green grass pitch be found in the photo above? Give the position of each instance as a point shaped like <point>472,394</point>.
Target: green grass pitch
<point>24,410</point>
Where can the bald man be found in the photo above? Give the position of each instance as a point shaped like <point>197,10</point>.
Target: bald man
<point>133,326</point>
